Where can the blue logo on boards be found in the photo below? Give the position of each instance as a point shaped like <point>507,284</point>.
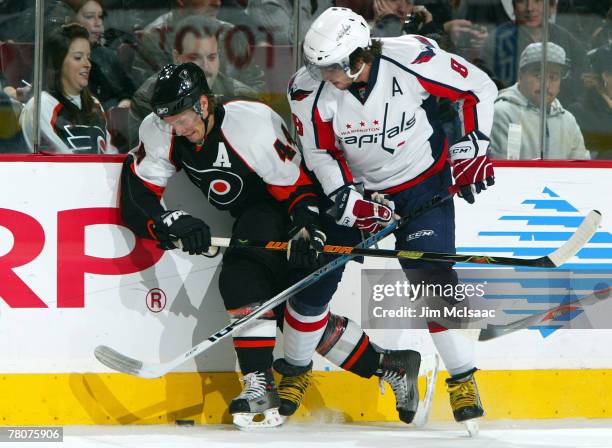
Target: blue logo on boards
<point>538,234</point>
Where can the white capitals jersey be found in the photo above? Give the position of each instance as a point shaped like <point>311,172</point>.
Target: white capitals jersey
<point>387,135</point>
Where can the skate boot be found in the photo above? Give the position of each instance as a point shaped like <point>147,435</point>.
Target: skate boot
<point>465,400</point>
<point>400,368</point>
<point>258,397</point>
<point>293,385</point>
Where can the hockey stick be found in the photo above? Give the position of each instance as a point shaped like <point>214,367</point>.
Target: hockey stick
<point>545,317</point>
<point>555,259</point>
<point>122,363</point>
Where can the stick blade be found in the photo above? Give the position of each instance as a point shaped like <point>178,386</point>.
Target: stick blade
<point>583,234</point>
<point>494,331</point>
<point>112,359</point>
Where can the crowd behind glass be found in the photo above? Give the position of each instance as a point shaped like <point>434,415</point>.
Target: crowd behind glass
<point>100,59</point>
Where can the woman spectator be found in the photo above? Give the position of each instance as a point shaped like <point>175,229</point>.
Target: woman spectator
<point>72,121</point>
<point>108,81</point>
<point>594,109</point>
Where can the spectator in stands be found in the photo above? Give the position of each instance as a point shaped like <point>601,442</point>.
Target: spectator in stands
<point>489,13</point>
<point>431,18</point>
<point>276,16</point>
<point>505,44</point>
<point>195,40</point>
<point>581,17</point>
<point>603,33</point>
<point>21,26</point>
<point>397,17</point>
<point>72,121</point>
<point>21,94</point>
<point>155,48</point>
<point>11,139</point>
<point>107,81</point>
<point>593,110</point>
<point>516,124</point>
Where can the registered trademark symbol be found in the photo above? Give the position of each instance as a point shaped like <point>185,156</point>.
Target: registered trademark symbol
<point>156,300</point>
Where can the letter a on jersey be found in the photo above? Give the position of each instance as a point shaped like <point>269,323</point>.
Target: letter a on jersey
<point>396,88</point>
<point>222,157</point>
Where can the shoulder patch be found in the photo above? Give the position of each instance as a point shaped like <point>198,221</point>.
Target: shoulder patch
<point>299,94</point>
<point>427,51</point>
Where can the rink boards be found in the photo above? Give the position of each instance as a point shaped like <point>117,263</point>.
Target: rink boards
<point>73,277</point>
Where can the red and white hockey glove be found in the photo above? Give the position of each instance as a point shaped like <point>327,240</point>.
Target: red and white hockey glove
<point>351,209</point>
<point>472,169</point>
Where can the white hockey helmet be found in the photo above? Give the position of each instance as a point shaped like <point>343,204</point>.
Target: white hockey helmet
<point>331,39</point>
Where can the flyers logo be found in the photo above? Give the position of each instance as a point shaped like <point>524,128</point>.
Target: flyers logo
<point>220,187</point>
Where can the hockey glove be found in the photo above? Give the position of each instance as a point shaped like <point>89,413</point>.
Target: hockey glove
<point>307,238</point>
<point>352,210</point>
<point>190,234</point>
<point>472,169</point>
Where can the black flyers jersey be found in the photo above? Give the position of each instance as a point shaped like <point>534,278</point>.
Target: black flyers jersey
<point>66,129</point>
<point>248,156</point>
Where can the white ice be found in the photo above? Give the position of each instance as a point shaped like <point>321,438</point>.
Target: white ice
<point>501,434</point>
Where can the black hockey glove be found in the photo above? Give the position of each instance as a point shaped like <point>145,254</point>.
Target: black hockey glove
<point>192,233</point>
<point>307,238</point>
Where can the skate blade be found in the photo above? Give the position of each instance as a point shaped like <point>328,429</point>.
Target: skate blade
<point>429,369</point>
<point>472,427</point>
<point>245,421</point>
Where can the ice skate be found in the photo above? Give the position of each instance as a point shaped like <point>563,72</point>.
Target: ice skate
<point>257,405</point>
<point>401,369</point>
<point>465,400</point>
<point>293,385</point>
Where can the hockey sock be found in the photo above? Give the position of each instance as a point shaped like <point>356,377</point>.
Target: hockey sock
<point>254,344</point>
<point>302,330</point>
<point>456,350</point>
<point>346,345</point>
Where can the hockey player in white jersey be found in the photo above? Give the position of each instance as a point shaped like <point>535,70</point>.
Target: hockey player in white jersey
<point>366,113</point>
<point>241,156</point>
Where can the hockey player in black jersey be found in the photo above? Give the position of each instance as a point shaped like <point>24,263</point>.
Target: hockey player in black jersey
<point>242,158</point>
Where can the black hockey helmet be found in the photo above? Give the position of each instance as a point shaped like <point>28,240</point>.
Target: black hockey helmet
<point>178,88</point>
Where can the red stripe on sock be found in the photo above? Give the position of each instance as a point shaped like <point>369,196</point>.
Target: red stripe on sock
<point>353,359</point>
<point>435,327</point>
<point>305,326</point>
<point>250,343</point>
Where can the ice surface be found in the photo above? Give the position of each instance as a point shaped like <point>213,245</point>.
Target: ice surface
<point>505,434</point>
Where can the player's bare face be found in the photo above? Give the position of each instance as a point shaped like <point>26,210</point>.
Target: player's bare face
<point>337,77</point>
<point>76,67</point>
<point>530,83</point>
<point>187,124</point>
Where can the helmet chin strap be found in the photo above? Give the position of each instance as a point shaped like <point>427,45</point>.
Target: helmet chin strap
<point>198,109</point>
<point>355,75</point>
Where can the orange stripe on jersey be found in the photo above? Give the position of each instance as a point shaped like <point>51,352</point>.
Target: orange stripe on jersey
<point>353,359</point>
<point>284,192</point>
<point>156,189</point>
<point>469,101</point>
<point>254,343</point>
